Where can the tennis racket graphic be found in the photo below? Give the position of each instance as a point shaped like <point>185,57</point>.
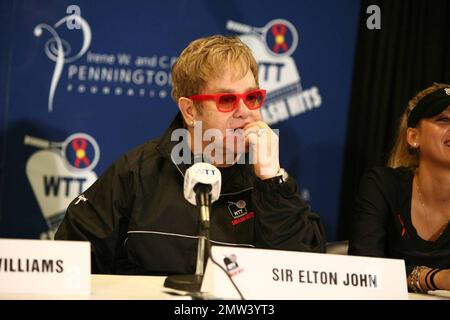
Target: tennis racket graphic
<point>279,35</point>
<point>80,151</point>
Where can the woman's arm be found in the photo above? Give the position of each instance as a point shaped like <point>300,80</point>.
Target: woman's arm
<point>423,279</point>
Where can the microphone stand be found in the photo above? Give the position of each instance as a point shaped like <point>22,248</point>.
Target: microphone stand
<point>193,283</point>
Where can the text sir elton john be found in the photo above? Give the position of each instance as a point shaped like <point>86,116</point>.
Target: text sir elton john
<point>366,280</point>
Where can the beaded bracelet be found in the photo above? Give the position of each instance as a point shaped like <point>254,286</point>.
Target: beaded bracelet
<point>414,279</point>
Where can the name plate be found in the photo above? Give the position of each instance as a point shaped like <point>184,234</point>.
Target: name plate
<point>275,274</point>
<point>45,267</point>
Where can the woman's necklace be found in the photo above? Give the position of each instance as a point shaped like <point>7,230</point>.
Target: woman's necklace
<point>435,235</point>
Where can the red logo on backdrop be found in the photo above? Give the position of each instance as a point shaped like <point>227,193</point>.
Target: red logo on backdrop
<point>79,145</point>
<point>81,151</point>
<point>278,31</point>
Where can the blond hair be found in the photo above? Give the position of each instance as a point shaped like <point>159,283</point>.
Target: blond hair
<point>402,155</point>
<point>206,58</point>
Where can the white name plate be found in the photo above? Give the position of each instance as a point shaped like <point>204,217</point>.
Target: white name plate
<point>275,274</point>
<point>45,267</point>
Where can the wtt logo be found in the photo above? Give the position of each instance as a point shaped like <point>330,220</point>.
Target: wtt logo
<point>205,172</point>
<point>272,47</point>
<point>59,172</point>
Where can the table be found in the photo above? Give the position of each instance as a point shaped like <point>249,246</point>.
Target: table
<point>117,287</point>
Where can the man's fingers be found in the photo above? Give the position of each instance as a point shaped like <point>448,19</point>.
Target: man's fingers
<point>251,137</point>
<point>259,128</point>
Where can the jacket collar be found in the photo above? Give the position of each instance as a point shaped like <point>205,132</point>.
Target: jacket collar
<point>166,145</point>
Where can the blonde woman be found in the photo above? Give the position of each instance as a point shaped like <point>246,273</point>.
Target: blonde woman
<point>403,210</point>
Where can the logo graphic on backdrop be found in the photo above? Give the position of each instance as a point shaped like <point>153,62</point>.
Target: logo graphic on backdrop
<point>99,73</point>
<point>58,172</point>
<point>273,46</point>
<point>58,49</point>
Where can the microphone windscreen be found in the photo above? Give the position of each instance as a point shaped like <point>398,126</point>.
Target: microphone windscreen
<point>203,173</point>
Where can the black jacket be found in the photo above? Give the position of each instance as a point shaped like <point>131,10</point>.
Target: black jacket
<point>138,221</point>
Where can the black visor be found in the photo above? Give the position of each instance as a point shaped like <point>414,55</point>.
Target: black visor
<point>429,106</point>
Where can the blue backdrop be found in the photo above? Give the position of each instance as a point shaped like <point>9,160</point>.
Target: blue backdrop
<point>77,92</point>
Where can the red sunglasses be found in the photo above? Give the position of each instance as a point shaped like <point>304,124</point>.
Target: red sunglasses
<point>227,102</point>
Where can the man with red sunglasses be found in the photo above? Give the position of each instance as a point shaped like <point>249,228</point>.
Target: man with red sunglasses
<point>135,215</point>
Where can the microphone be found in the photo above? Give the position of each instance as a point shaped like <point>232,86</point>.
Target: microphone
<point>202,183</point>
